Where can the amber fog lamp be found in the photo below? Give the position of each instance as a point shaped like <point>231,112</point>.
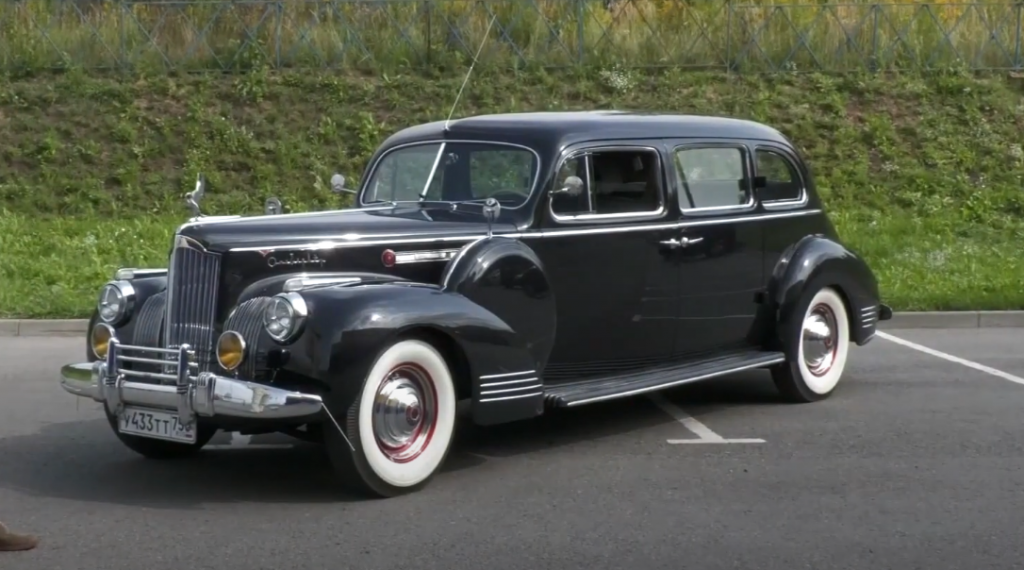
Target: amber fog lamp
<point>100,339</point>
<point>230,350</point>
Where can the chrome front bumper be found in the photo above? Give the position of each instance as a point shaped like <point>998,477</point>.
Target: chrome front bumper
<point>204,394</point>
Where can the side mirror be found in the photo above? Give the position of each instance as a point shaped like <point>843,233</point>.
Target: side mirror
<point>573,187</point>
<point>760,182</point>
<point>338,184</point>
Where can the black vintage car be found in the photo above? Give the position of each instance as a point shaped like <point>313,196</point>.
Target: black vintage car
<point>519,261</point>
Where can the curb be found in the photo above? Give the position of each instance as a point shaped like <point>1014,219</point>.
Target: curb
<point>906,320</point>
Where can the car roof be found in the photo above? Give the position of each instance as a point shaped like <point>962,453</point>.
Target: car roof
<point>567,127</point>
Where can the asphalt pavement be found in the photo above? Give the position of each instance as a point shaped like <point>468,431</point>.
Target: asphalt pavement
<point>915,462</point>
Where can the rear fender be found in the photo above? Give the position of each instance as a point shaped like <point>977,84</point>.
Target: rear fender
<point>815,262</point>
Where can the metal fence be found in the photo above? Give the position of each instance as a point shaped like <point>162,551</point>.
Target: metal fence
<point>380,34</point>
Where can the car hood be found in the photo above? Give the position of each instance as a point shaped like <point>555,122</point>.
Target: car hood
<point>352,226</point>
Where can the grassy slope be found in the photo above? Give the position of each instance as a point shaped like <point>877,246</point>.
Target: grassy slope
<point>923,176</point>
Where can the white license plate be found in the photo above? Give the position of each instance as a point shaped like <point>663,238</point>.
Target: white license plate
<point>155,424</point>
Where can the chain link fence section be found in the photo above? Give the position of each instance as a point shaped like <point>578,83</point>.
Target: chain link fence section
<point>240,35</point>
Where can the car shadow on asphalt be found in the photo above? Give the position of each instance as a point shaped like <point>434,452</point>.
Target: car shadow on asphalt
<point>83,461</point>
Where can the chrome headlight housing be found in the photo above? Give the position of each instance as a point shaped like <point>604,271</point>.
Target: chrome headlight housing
<point>117,299</point>
<point>285,316</point>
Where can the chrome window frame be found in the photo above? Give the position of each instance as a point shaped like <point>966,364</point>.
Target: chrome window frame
<point>587,152</point>
<point>792,165</point>
<point>364,184</point>
<point>748,168</point>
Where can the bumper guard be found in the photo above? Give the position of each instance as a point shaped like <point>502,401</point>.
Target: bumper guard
<point>204,394</point>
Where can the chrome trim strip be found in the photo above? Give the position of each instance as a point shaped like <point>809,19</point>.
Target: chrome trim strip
<point>507,374</point>
<point>588,153</point>
<point>327,243</point>
<point>129,273</point>
<point>424,256</point>
<point>232,219</point>
<point>664,385</point>
<point>516,397</point>
<point>444,142</point>
<point>507,390</point>
<point>507,382</point>
<point>298,284</point>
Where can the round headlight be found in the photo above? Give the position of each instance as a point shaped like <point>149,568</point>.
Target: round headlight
<point>230,350</point>
<point>285,316</point>
<point>99,339</point>
<point>115,303</point>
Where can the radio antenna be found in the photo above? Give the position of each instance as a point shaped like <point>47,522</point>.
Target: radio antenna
<point>468,73</point>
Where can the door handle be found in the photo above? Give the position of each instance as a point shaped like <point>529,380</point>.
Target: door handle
<point>681,242</point>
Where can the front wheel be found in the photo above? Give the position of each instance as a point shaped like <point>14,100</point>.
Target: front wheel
<point>816,345</point>
<point>401,422</point>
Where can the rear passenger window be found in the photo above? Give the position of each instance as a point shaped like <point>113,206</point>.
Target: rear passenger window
<point>714,177</point>
<point>782,180</point>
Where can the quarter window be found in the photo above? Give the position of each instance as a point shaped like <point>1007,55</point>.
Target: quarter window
<point>713,177</point>
<point>614,182</point>
<point>782,181</point>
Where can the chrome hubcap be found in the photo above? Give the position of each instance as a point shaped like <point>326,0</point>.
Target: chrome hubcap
<point>404,411</point>
<point>820,340</point>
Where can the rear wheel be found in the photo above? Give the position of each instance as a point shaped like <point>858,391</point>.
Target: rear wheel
<point>816,343</point>
<point>401,422</point>
<point>161,449</point>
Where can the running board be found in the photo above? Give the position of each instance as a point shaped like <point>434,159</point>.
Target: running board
<point>622,386</point>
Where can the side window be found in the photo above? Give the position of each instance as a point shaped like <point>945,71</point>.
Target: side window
<point>782,181</point>
<point>714,177</point>
<point>614,182</point>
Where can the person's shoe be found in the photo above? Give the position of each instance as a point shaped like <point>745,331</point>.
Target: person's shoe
<point>10,542</point>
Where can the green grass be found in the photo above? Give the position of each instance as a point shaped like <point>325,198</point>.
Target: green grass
<point>747,35</point>
<point>923,175</point>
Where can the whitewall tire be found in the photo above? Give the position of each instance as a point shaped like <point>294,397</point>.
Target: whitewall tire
<point>401,422</point>
<point>817,344</point>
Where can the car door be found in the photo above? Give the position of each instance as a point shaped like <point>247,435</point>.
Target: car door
<point>615,284</point>
<point>718,246</point>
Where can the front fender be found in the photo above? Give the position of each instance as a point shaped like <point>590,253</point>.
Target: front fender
<point>815,262</point>
<point>349,326</point>
<point>494,308</point>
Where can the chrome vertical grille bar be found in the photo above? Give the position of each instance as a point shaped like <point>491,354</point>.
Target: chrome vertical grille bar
<point>192,282</point>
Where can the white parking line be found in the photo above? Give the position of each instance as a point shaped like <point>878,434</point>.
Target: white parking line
<point>951,358</point>
<point>703,432</point>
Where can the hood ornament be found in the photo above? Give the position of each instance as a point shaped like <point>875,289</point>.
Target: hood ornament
<point>192,198</point>
<point>272,206</point>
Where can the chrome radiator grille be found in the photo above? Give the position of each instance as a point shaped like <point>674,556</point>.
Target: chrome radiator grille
<point>192,279</point>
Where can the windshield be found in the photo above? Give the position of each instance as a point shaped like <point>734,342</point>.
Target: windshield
<point>454,171</point>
